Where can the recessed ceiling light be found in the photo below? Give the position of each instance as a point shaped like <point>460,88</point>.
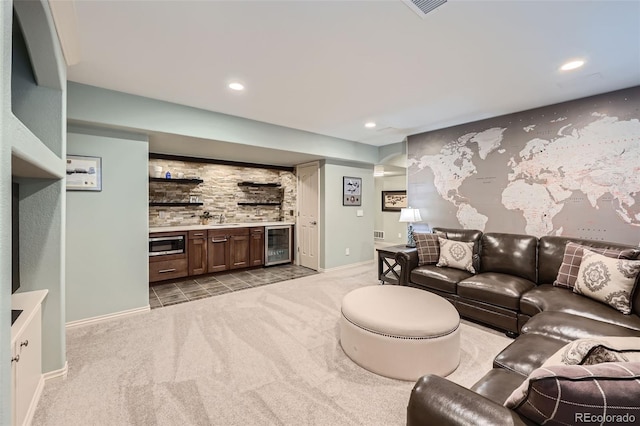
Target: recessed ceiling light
<point>572,65</point>
<point>236,86</point>
<point>370,125</point>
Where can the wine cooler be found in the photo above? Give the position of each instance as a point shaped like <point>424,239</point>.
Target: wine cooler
<point>277,244</point>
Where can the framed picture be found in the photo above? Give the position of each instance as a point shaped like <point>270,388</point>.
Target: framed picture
<point>84,173</point>
<point>351,191</point>
<point>393,201</point>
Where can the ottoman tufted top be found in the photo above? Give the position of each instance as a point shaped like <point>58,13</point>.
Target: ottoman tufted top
<point>400,311</point>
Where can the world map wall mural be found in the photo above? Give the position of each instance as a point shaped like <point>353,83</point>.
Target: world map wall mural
<point>570,169</point>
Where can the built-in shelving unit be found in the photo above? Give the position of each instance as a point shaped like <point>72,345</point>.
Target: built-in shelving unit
<point>172,180</point>
<point>172,204</point>
<point>259,185</point>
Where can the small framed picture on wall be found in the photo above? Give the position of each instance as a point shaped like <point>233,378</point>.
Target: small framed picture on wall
<point>394,201</point>
<point>351,191</point>
<point>84,173</point>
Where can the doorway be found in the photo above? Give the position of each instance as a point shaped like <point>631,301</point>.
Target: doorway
<point>308,221</point>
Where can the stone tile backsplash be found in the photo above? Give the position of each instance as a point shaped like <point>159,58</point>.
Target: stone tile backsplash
<point>220,193</point>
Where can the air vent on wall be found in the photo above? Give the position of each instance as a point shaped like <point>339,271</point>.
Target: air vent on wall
<point>422,7</point>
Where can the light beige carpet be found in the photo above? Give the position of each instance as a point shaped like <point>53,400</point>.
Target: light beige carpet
<point>268,355</point>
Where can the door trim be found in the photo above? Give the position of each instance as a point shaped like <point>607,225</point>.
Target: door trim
<point>320,255</point>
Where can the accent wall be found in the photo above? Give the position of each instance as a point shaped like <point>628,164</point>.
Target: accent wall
<point>570,169</point>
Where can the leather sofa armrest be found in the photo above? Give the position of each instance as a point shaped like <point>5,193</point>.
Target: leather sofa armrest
<point>408,260</point>
<point>437,401</point>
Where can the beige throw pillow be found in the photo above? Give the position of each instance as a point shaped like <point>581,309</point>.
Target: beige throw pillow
<point>607,280</point>
<point>456,254</point>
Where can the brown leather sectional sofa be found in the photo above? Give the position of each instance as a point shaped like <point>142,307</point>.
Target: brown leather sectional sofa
<point>512,291</point>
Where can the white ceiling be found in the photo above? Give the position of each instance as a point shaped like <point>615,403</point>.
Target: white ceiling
<point>329,66</point>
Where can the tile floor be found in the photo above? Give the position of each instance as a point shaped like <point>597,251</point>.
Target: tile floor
<point>184,290</point>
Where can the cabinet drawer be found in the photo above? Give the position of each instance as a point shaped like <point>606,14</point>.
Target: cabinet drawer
<point>168,269</point>
<point>193,235</point>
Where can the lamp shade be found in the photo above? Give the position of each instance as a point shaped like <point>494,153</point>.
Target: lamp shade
<point>410,215</point>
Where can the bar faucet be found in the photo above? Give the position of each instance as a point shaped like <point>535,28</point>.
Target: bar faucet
<point>222,217</point>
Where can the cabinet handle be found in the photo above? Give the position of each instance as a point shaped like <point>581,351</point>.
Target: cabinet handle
<point>16,358</point>
<point>164,271</point>
<point>213,240</point>
<point>198,235</point>
<point>25,343</point>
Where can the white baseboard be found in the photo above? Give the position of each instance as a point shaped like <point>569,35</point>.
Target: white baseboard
<point>57,373</point>
<point>28,418</point>
<point>100,318</point>
<point>350,265</point>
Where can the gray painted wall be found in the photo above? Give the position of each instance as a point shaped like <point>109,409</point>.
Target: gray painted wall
<point>42,201</point>
<point>342,229</point>
<point>107,231</point>
<point>388,221</point>
<point>5,213</point>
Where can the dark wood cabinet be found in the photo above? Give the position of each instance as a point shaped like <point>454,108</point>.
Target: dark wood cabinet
<point>198,244</point>
<point>239,248</point>
<point>256,246</point>
<point>218,250</point>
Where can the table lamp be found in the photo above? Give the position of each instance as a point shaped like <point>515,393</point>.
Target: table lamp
<point>410,216</point>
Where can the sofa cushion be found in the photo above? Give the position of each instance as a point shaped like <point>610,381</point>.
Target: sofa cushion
<point>557,395</point>
<point>456,254</point>
<point>607,280</point>
<point>428,248</point>
<point>549,298</point>
<point>443,279</point>
<point>511,254</point>
<point>498,384</point>
<point>528,352</point>
<point>568,327</point>
<point>495,288</point>
<point>572,257</point>
<point>465,235</point>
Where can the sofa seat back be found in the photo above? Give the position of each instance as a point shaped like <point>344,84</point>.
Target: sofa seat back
<point>512,254</point>
<point>550,254</point>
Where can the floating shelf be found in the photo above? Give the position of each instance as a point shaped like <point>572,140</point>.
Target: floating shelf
<point>152,179</point>
<point>174,204</point>
<point>257,184</point>
<point>258,204</point>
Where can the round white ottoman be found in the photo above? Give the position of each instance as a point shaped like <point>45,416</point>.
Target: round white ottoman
<point>400,332</point>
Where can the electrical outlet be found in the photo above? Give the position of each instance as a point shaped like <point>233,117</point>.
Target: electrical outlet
<point>346,251</point>
<point>162,215</point>
<point>399,234</point>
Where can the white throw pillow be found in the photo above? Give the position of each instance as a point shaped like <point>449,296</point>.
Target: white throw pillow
<point>607,280</point>
<point>456,254</point>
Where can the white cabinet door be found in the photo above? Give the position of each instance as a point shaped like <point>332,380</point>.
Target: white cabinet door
<point>28,369</point>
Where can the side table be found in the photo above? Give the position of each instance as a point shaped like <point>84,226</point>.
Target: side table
<point>388,268</point>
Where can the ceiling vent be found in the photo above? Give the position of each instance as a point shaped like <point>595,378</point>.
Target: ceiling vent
<point>422,7</point>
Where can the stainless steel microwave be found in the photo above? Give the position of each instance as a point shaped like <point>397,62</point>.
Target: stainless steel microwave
<point>163,246</point>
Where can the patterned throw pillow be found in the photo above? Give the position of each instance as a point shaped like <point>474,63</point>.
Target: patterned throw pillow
<point>569,394</point>
<point>428,248</point>
<point>607,280</point>
<point>568,272</point>
<point>456,254</point>
<point>590,351</point>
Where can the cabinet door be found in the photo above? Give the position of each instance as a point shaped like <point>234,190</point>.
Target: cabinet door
<point>239,251</point>
<point>256,249</point>
<point>218,251</point>
<point>28,368</point>
<point>198,256</point>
